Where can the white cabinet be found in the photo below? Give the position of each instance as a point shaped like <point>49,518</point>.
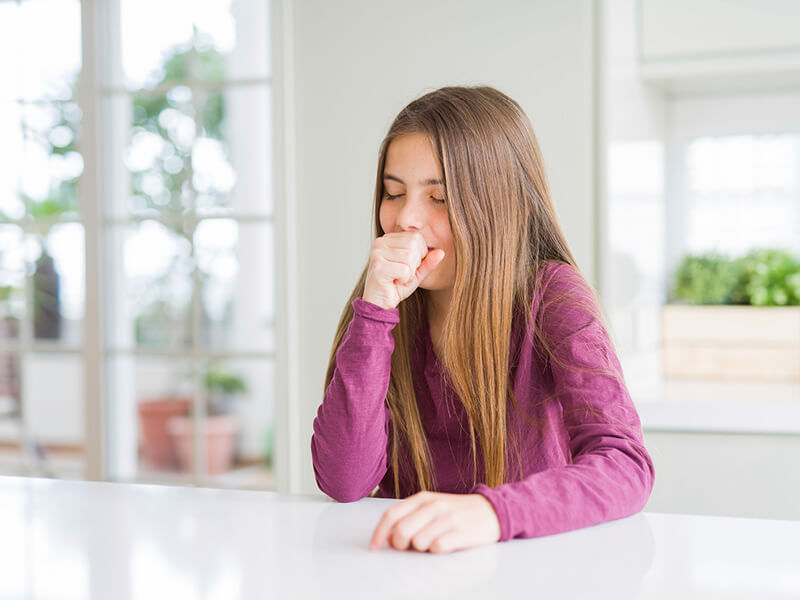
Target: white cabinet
<point>719,45</point>
<point>691,29</point>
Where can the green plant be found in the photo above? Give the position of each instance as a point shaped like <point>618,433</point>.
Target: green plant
<point>709,278</point>
<point>771,277</point>
<point>12,301</point>
<point>269,445</point>
<point>763,277</point>
<point>154,113</point>
<point>222,386</point>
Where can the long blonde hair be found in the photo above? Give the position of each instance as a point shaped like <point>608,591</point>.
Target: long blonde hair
<point>504,229</point>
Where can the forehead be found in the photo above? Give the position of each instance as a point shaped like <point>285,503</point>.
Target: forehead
<point>412,156</point>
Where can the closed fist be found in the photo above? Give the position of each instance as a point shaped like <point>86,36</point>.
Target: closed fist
<point>398,264</point>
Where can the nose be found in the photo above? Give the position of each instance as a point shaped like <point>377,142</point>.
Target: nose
<point>411,216</point>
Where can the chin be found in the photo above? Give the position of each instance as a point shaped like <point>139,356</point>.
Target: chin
<point>431,285</point>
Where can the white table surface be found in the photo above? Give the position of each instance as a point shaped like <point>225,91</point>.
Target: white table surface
<point>74,539</point>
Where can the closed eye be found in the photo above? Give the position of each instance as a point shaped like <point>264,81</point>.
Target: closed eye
<point>389,196</point>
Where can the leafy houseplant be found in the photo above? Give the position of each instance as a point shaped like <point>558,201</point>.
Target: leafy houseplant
<point>222,387</point>
<point>219,427</point>
<point>763,277</point>
<point>706,279</point>
<point>770,278</point>
<point>734,318</point>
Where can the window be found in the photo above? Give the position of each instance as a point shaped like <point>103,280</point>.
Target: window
<point>742,192</point>
<point>708,174</point>
<point>185,223</point>
<point>42,275</point>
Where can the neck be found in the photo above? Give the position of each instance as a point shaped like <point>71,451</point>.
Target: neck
<point>438,304</point>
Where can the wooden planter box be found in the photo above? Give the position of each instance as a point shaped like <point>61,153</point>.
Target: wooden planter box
<point>731,342</point>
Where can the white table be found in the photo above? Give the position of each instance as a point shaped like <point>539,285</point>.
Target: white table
<point>70,539</point>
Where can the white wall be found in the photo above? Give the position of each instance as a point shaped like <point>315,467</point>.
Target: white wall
<point>356,64</point>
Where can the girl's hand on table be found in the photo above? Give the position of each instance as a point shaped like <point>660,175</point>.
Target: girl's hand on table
<point>438,522</point>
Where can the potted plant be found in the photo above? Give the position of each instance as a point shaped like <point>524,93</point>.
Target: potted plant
<point>154,415</point>
<point>220,427</point>
<point>734,318</point>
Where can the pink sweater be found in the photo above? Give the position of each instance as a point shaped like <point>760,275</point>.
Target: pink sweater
<point>585,465</point>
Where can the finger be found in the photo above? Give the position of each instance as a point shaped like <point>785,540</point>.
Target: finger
<point>412,240</point>
<point>406,528</point>
<point>432,260</point>
<point>408,276</point>
<point>391,271</point>
<point>421,245</point>
<point>423,539</point>
<point>449,541</point>
<point>394,514</point>
<point>405,243</point>
<point>404,255</point>
<point>414,246</point>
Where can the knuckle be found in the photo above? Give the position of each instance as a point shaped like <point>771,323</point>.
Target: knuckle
<point>420,542</point>
<point>401,536</point>
<point>449,519</point>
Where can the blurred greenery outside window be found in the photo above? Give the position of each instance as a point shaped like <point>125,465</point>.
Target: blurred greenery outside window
<point>165,185</point>
<point>180,112</point>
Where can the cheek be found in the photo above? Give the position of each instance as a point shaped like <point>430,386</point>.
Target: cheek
<point>445,234</point>
<point>386,218</point>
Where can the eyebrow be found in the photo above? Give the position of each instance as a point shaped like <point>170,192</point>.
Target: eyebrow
<point>425,182</point>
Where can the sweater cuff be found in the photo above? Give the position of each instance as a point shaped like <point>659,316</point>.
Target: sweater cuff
<point>374,312</point>
<point>493,496</point>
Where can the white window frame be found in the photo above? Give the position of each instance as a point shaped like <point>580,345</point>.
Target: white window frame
<point>96,44</point>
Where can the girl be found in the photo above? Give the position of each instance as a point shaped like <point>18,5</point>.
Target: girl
<point>471,370</point>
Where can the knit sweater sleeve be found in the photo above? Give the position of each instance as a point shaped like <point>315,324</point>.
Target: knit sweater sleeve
<point>348,445</point>
<point>610,474</point>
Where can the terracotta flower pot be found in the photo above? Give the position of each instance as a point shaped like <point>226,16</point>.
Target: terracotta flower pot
<point>220,439</point>
<point>156,443</point>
